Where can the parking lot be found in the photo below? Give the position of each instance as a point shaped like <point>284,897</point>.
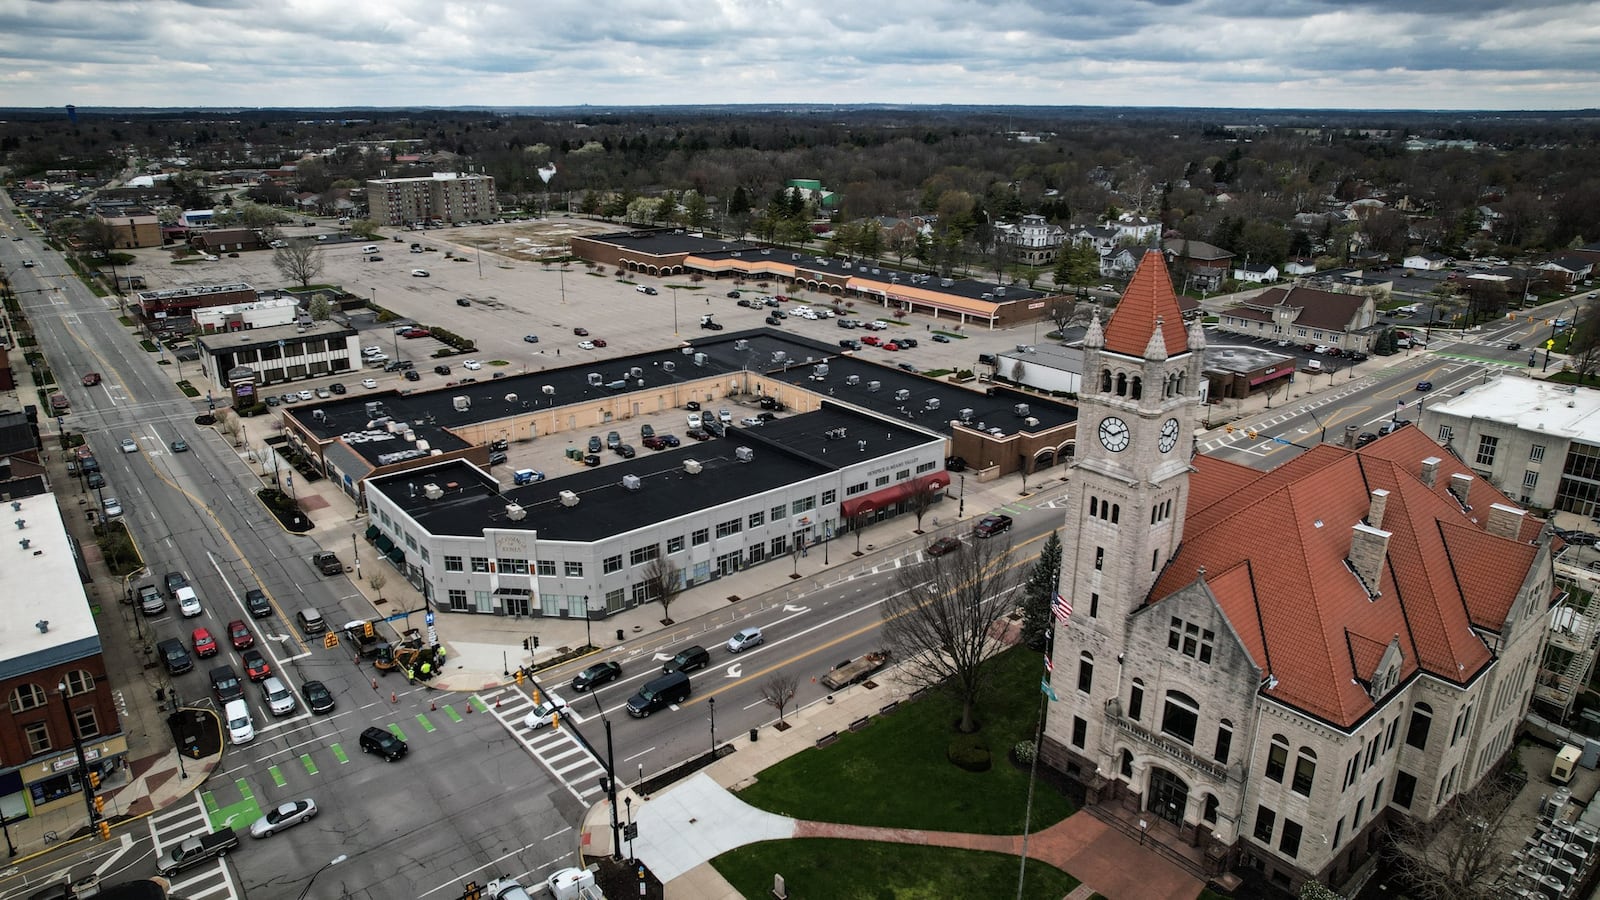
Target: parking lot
<point>511,298</point>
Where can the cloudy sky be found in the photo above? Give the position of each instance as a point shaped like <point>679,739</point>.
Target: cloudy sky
<point>1460,54</point>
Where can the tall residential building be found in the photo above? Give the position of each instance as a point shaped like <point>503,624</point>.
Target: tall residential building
<point>1268,666</point>
<point>442,196</point>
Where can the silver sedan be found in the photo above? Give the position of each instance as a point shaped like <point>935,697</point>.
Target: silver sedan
<point>284,815</point>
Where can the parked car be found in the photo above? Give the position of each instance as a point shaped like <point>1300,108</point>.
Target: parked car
<point>581,332</point>
<point>596,675</point>
<point>530,338</point>
<point>462,301</point>
<point>941,339</point>
<point>646,289</point>
<point>441,369</point>
<point>599,342</point>
<point>625,451</point>
<point>472,364</point>
<point>586,345</point>
<point>419,273</point>
<point>369,383</point>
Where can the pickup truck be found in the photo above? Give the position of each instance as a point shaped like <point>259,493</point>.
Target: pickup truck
<point>327,562</point>
<point>196,850</point>
<point>855,670</point>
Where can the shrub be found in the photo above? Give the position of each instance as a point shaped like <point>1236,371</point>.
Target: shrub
<point>1024,751</point>
<point>969,752</point>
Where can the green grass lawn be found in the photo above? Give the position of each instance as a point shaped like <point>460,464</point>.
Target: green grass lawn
<point>895,773</point>
<point>832,869</point>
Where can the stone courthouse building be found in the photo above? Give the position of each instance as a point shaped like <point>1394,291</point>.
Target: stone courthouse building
<point>1270,666</point>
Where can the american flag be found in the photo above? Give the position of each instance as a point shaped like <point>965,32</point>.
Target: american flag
<point>1062,608</point>
<point>1049,666</point>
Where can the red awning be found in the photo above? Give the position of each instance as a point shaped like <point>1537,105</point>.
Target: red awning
<point>894,493</point>
<point>1284,372</point>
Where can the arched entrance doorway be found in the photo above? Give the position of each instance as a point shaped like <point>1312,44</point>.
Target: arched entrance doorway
<point>1169,795</point>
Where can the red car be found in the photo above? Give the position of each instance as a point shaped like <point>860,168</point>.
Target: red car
<point>947,544</point>
<point>204,644</point>
<point>889,345</point>
<point>581,332</point>
<point>416,333</point>
<point>239,633</point>
<point>872,340</point>
<point>256,666</point>
<point>599,342</point>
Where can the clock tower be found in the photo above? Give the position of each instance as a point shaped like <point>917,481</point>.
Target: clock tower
<point>1130,480</point>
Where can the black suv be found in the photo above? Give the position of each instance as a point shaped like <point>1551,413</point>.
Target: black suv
<point>175,656</point>
<point>383,743</point>
<point>258,604</point>
<point>174,581</point>
<point>225,684</point>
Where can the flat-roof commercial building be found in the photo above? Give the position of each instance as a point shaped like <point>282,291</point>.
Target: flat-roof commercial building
<point>48,641</point>
<point>442,196</point>
<point>182,302</point>
<point>882,289</point>
<point>277,353</point>
<point>587,544</point>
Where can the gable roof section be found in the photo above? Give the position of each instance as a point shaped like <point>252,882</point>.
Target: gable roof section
<point>1148,300</point>
<point>1274,547</point>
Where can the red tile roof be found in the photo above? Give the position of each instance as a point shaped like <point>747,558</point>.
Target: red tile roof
<point>1274,546</point>
<point>1149,299</point>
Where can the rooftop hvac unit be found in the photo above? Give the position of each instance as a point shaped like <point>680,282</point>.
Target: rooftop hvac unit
<point>630,482</point>
<point>692,466</point>
<point>875,271</point>
<point>595,379</point>
<point>699,359</point>
<point>999,292</point>
<point>687,350</point>
<point>933,403</point>
<point>998,432</point>
<point>548,390</point>
<point>432,491</point>
<point>1020,409</point>
<point>779,357</point>
<point>461,403</point>
<point>744,454</point>
<point>874,385</point>
<point>511,398</point>
<point>424,446</point>
<point>965,414</point>
<point>393,427</point>
<point>635,372</point>
<point>515,512</point>
<point>319,415</point>
<point>569,499</point>
<point>741,344</point>
<point>618,385</point>
<point>945,282</point>
<point>766,251</point>
<point>374,409</point>
<point>1031,422</point>
<point>902,394</point>
<point>795,256</point>
<point>852,379</point>
<point>669,366</point>
<point>820,370</point>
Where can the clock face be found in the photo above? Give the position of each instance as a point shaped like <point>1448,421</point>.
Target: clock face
<point>1169,435</point>
<point>1114,434</point>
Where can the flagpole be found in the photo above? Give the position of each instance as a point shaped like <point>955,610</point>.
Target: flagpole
<point>1033,768</point>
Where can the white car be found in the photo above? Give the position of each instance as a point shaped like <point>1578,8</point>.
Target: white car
<point>586,345</point>
<point>694,420</point>
<point>283,816</point>
<point>1321,348</point>
<point>419,273</point>
<point>306,395</point>
<point>745,639</point>
<point>128,446</point>
<point>471,364</point>
<point>369,382</point>
<point>750,422</point>
<point>374,349</point>
<point>212,257</point>
<point>543,714</point>
<point>323,393</point>
<point>188,602</point>
<point>112,507</point>
<point>725,417</point>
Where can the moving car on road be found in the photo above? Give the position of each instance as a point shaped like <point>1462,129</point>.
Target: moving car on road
<point>284,815</point>
<point>596,675</point>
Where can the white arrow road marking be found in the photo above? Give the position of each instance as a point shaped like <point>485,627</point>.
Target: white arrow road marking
<point>663,656</point>
<point>795,609</point>
<point>734,670</point>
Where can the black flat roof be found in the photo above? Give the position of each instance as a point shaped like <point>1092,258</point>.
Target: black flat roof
<point>669,243</point>
<point>784,452</point>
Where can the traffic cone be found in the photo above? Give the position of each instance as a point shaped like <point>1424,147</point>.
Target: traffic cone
<point>394,697</point>
<point>433,706</point>
<point>469,707</point>
<point>374,684</point>
<point>497,702</point>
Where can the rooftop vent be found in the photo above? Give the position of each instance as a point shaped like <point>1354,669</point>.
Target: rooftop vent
<point>965,414</point>
<point>461,402</point>
<point>1031,422</point>
<point>595,379</point>
<point>1020,409</point>
<point>432,491</point>
<point>741,344</point>
<point>902,394</point>
<point>511,398</point>
<point>631,482</point>
<point>16,506</point>
<point>933,403</point>
<point>515,512</point>
<point>43,625</point>
<point>861,446</point>
<point>700,359</point>
<point>25,543</point>
<point>669,366</point>
<point>569,499</point>
<point>548,390</point>
<point>852,379</point>
<point>635,372</point>
<point>834,434</point>
<point>874,385</point>
<point>744,454</point>
<point>692,466</point>
<point>21,524</point>
<point>374,409</point>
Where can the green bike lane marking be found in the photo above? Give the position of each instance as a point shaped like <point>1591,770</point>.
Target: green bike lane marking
<point>277,776</point>
<point>234,815</point>
<point>427,726</point>
<point>451,712</point>
<point>339,754</point>
<point>394,729</point>
<point>477,704</point>
<point>309,763</point>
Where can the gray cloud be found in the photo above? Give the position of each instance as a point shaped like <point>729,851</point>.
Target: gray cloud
<point>1340,53</point>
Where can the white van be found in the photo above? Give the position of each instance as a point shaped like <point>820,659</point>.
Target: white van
<point>240,729</point>
<point>370,248</point>
<point>1314,366</point>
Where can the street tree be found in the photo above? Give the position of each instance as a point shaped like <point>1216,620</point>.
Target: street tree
<point>1461,851</point>
<point>940,619</point>
<point>778,690</point>
<point>299,261</point>
<point>364,228</point>
<point>320,309</point>
<point>663,580</point>
<point>922,499</point>
<point>1039,590</point>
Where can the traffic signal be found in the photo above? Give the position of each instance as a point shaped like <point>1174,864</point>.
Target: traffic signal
<point>94,780</point>
<point>536,642</point>
<point>1228,428</point>
<point>555,721</point>
<point>367,630</point>
<point>527,643</point>
<point>472,892</point>
<point>519,677</point>
<point>605,784</point>
<point>536,697</point>
<point>1252,434</point>
<point>105,830</point>
<point>100,805</point>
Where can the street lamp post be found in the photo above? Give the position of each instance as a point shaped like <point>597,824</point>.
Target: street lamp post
<point>611,794</point>
<point>674,310</point>
<point>631,858</point>
<point>77,746</point>
<point>588,636</point>
<point>711,704</point>
<point>961,505</point>
<point>325,867</point>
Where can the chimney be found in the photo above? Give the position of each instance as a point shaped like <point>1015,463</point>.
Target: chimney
<point>1430,470</point>
<point>1461,487</point>
<point>1380,499</point>
<point>1369,547</point>
<point>1349,440</point>
<point>1505,521</point>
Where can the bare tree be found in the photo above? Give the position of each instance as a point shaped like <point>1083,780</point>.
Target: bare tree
<point>778,690</point>
<point>858,523</point>
<point>663,580</point>
<point>1459,854</point>
<point>377,579</point>
<point>940,619</point>
<point>299,261</point>
<point>922,500</point>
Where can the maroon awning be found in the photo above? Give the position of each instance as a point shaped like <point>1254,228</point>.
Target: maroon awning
<point>894,493</point>
<point>1284,372</point>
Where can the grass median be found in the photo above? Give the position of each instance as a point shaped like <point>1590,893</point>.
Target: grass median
<point>831,868</point>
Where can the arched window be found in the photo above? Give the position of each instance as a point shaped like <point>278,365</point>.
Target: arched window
<point>1421,721</point>
<point>1305,771</point>
<point>1085,671</point>
<point>1105,381</point>
<point>1116,512</point>
<point>1122,384</point>
<point>1224,741</point>
<point>1136,700</point>
<point>1138,387</point>
<point>1127,764</point>
<point>79,681</point>
<point>1179,717</point>
<point>26,696</point>
<point>1210,811</point>
<point>1094,507</point>
<point>1277,758</point>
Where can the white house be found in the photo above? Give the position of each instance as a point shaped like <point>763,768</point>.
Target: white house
<point>1427,262</point>
<point>1256,273</point>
